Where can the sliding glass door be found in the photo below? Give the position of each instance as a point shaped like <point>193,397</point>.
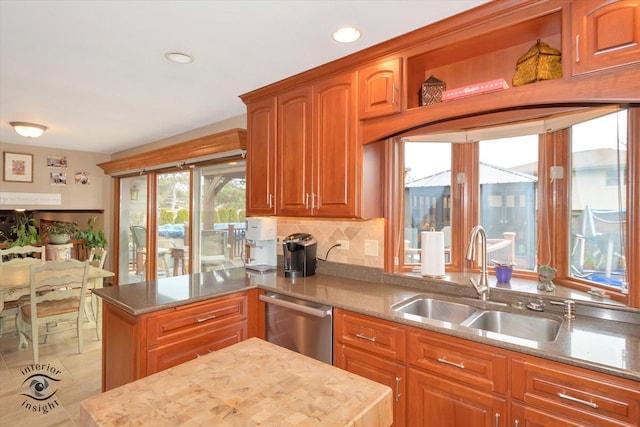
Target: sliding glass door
<point>132,244</point>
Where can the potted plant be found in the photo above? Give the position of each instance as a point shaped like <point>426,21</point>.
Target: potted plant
<point>61,232</point>
<point>94,238</point>
<point>26,232</point>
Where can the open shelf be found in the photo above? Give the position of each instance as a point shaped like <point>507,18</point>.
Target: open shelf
<point>492,55</point>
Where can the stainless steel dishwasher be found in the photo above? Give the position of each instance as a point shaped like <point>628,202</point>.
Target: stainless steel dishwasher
<point>299,325</point>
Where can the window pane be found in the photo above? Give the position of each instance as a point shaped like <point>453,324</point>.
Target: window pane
<point>598,199</point>
<point>133,218</point>
<point>508,178</point>
<point>427,195</point>
<point>173,217</point>
<point>222,216</point>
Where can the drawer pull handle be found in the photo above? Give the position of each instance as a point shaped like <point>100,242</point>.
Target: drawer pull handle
<point>516,423</point>
<point>446,362</point>
<point>204,319</point>
<point>364,337</point>
<point>497,419</point>
<point>398,389</point>
<point>575,399</point>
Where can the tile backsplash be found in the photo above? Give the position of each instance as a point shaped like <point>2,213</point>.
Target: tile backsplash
<point>327,232</point>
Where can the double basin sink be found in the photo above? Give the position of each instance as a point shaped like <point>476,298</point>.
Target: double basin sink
<point>529,327</point>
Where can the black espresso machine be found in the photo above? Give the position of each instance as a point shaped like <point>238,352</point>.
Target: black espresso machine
<point>299,253</point>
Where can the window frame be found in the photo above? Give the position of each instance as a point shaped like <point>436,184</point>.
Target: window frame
<point>553,214</point>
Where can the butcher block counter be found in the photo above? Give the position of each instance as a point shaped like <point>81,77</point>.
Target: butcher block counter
<point>250,383</point>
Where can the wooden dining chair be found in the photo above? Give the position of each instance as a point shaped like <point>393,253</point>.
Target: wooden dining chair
<point>18,255</point>
<point>97,257</point>
<point>57,294</point>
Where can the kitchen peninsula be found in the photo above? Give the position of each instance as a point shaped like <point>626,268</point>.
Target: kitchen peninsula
<point>250,383</point>
<point>149,327</point>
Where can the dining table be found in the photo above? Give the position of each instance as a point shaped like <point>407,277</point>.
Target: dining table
<point>15,281</point>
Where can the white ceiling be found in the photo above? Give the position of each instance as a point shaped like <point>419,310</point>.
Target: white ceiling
<point>94,71</point>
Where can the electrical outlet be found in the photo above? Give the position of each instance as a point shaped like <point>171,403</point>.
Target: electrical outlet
<point>371,248</point>
<point>344,245</point>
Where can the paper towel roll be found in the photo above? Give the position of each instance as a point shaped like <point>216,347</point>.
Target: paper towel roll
<point>432,258</point>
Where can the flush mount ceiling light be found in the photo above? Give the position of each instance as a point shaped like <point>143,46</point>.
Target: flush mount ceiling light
<point>179,58</point>
<point>346,35</point>
<point>28,130</point>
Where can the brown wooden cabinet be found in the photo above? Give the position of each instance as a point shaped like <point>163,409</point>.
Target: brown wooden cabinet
<point>261,157</point>
<point>295,152</point>
<point>312,132</point>
<point>317,146</point>
<point>546,391</point>
<point>437,401</point>
<point>374,349</point>
<point>455,382</point>
<point>606,34</point>
<point>137,346</point>
<point>379,87</point>
<point>337,155</point>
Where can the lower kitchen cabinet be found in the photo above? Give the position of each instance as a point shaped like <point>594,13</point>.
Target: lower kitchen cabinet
<point>435,401</point>
<point>137,346</point>
<point>374,349</point>
<point>378,369</point>
<point>454,382</point>
<point>549,391</point>
<point>527,416</point>
<point>440,380</point>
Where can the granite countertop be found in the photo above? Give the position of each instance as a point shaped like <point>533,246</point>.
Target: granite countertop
<point>250,383</point>
<point>592,342</point>
<point>146,297</point>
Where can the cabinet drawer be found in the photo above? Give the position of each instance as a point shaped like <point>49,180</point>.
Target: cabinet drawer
<point>196,319</point>
<point>584,395</point>
<point>461,360</point>
<point>165,356</point>
<point>377,336</point>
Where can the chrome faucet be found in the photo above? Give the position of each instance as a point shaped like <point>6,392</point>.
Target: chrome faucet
<point>482,287</point>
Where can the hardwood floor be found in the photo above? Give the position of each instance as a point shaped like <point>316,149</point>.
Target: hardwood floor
<point>75,377</point>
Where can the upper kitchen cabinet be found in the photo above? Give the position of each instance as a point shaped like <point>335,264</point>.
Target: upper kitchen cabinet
<point>336,150</point>
<point>606,34</point>
<point>317,148</point>
<point>311,132</point>
<point>295,153</point>
<point>379,86</point>
<point>261,157</point>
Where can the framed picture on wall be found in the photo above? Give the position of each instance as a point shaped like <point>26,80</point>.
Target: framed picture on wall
<point>18,167</point>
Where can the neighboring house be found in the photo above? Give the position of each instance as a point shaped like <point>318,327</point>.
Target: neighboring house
<point>507,205</point>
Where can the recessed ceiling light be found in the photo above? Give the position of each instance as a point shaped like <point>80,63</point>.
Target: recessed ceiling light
<point>346,35</point>
<point>179,58</point>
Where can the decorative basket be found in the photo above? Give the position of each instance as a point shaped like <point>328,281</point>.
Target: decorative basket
<point>541,62</point>
<point>431,91</point>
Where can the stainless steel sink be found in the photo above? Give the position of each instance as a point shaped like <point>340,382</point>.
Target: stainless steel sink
<point>516,325</point>
<point>431,308</point>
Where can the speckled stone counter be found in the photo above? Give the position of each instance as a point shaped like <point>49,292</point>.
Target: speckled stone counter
<point>603,340</point>
<point>154,295</point>
<point>595,343</point>
<point>249,383</point>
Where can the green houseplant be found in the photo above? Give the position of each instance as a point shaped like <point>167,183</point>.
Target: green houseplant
<point>61,232</point>
<point>26,232</point>
<point>94,238</point>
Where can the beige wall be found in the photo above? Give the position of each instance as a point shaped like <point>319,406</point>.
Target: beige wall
<point>94,195</point>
